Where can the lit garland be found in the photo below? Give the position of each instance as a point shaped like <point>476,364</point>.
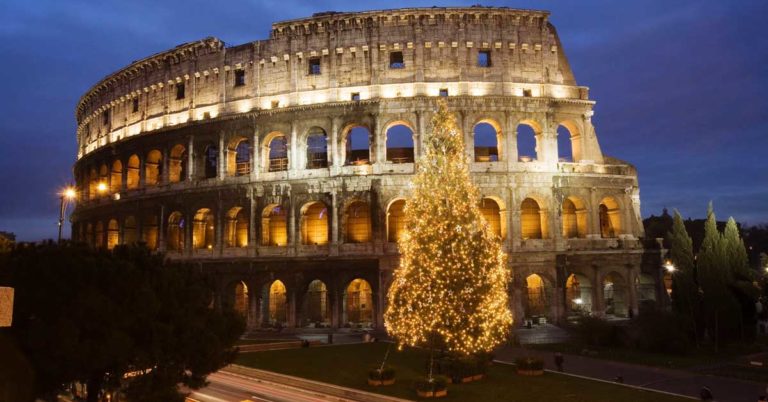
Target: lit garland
<point>452,279</point>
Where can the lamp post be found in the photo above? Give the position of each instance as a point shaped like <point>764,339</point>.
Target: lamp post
<point>67,195</point>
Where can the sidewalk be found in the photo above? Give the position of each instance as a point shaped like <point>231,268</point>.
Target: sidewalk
<point>668,380</point>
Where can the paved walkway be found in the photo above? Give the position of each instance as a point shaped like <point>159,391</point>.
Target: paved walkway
<point>668,380</point>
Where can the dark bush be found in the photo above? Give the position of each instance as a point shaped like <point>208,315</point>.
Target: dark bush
<point>593,331</point>
<point>658,331</point>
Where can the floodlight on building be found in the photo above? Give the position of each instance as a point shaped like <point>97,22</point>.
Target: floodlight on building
<point>669,266</point>
<point>101,187</point>
<point>578,301</point>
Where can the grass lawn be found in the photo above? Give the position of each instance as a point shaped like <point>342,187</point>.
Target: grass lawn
<point>348,365</point>
<point>701,357</point>
<point>260,341</point>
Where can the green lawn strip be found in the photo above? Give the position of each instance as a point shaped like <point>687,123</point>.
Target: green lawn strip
<point>348,365</point>
<point>262,341</point>
<point>693,359</point>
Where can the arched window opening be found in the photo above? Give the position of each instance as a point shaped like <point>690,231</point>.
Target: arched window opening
<point>539,296</point>
<point>177,166</point>
<point>487,139</point>
<point>99,240</point>
<point>203,229</point>
<point>527,146</point>
<point>93,183</point>
<point>149,231</point>
<point>615,295</point>
<point>236,233</point>
<point>103,179</point>
<point>211,166</point>
<point>317,149</point>
<point>130,232</point>
<point>492,214</point>
<point>153,168</point>
<point>530,219</point>
<point>175,235</point>
<point>278,154</point>
<point>274,225</point>
<point>358,304</point>
<point>568,142</point>
<point>132,176</point>
<point>574,217</point>
<point>578,294</point>
<point>316,307</point>
<point>399,144</point>
<point>396,221</point>
<point>314,224</point>
<point>239,157</point>
<point>113,234</point>
<point>358,146</point>
<point>241,298</point>
<point>358,222</point>
<point>116,180</point>
<point>278,307</point>
<point>610,218</point>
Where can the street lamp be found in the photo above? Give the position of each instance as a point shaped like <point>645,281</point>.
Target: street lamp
<point>66,196</point>
<point>669,266</point>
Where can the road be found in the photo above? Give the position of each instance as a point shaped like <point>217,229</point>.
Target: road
<point>226,387</point>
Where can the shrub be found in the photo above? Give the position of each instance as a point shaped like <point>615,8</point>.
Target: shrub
<point>529,363</point>
<point>438,383</point>
<point>379,374</point>
<point>659,332</point>
<point>595,331</point>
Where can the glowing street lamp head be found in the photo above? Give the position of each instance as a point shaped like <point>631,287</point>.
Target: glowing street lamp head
<point>669,266</point>
<point>101,187</point>
<point>69,193</point>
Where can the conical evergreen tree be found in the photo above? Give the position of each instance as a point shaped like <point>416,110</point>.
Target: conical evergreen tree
<point>741,278</point>
<point>451,285</point>
<point>685,294</point>
<point>734,250</point>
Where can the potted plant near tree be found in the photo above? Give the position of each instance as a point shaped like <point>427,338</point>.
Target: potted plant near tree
<point>529,366</point>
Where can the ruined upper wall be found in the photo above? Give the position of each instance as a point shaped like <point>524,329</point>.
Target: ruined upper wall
<point>439,46</point>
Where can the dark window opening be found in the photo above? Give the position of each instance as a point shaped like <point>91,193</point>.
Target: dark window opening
<point>396,60</point>
<point>355,96</point>
<point>180,90</point>
<point>443,91</point>
<point>275,104</point>
<point>484,58</point>
<point>314,66</point>
<point>527,93</point>
<point>135,105</point>
<point>105,117</point>
<point>239,78</point>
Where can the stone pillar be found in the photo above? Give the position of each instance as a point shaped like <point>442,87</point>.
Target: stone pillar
<point>632,302</point>
<point>188,247</point>
<point>598,300</point>
<point>292,309</point>
<point>594,214</point>
<point>335,300</point>
<point>292,225</point>
<point>142,172</point>
<point>165,174</point>
<point>219,228</point>
<point>190,158</point>
<point>252,229</point>
<point>510,142</point>
<point>161,230</point>
<point>221,161</point>
<point>255,146</point>
<point>376,150</point>
<point>417,136</point>
<point>335,156</point>
<point>335,218</point>
<point>293,150</point>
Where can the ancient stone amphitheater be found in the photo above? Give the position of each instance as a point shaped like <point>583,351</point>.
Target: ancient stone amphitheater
<point>282,165</point>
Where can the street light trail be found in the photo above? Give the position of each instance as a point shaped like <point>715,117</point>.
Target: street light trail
<point>237,388</point>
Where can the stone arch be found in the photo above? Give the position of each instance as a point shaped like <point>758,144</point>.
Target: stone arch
<point>399,142</point>
<point>113,234</point>
<point>574,217</point>
<point>314,223</point>
<point>130,232</point>
<point>239,156</point>
<point>275,151</point>
<point>356,149</point>
<point>395,220</point>
<point>149,231</point>
<point>357,217</point>
<point>132,175</point>
<point>175,231</point>
<point>240,298</point>
<point>578,294</point>
<point>488,141</point>
<point>103,178</point>
<point>236,228</point>
<point>210,168</point>
<point>528,140</point>
<point>274,226</point>
<point>177,164</point>
<point>203,229</point>
<point>615,296</point>
<point>315,308</point>
<point>358,308</point>
<point>568,142</point>
<point>533,220</point>
<point>93,182</point>
<point>99,239</point>
<point>116,178</point>
<point>317,148</point>
<point>609,213</point>
<point>539,294</point>
<point>492,209</point>
<point>275,297</point>
<point>153,168</point>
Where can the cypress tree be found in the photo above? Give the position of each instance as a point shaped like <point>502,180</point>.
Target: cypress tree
<point>741,277</point>
<point>685,294</point>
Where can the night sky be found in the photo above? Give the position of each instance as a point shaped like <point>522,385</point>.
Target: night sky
<point>680,87</point>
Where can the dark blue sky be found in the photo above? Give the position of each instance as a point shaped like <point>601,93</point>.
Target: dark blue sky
<point>680,86</point>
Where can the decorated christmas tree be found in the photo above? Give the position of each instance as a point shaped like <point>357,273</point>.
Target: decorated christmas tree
<point>451,286</point>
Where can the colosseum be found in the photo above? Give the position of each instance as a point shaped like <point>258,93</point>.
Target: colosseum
<point>282,166</point>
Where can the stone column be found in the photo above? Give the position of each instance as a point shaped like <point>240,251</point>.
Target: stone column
<point>142,172</point>
<point>292,225</point>
<point>598,301</point>
<point>294,163</point>
<point>190,158</point>
<point>161,230</point>
<point>188,246</point>
<point>417,135</point>
<point>255,146</point>
<point>336,160</point>
<point>510,140</point>
<point>335,301</point>
<point>376,150</point>
<point>292,309</point>
<point>594,215</point>
<point>219,228</point>
<point>252,229</point>
<point>221,162</point>
<point>164,177</point>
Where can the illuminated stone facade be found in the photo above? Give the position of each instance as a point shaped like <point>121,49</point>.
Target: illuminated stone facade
<point>247,160</point>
